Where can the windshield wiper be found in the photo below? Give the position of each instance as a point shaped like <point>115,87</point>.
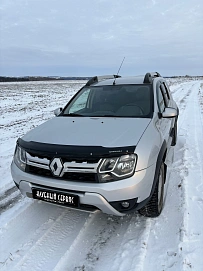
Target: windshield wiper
<point>72,115</point>
<point>118,116</point>
<point>110,115</point>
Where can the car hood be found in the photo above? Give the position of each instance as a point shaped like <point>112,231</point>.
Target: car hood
<point>86,131</point>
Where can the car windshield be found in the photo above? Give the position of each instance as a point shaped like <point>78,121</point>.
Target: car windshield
<point>112,101</point>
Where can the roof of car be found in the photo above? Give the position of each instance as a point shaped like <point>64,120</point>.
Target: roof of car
<point>122,81</point>
<point>118,80</point>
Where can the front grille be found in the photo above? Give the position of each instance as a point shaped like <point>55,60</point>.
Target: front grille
<point>71,169</point>
<point>81,160</point>
<point>81,177</point>
<point>38,171</point>
<point>88,160</point>
<point>69,176</point>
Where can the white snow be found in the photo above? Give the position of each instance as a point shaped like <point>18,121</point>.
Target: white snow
<point>39,236</point>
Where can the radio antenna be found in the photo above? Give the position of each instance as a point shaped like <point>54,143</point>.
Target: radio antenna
<point>118,71</point>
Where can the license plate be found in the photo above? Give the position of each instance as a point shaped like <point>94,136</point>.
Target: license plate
<point>56,197</point>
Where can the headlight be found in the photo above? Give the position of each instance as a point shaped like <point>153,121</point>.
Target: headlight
<point>116,168</point>
<point>20,158</point>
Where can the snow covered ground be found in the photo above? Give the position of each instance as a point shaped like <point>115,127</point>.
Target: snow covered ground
<point>38,236</point>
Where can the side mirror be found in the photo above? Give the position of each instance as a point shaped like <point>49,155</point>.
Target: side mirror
<point>58,111</point>
<point>169,112</point>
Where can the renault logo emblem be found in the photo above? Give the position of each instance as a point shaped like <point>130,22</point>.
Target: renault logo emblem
<point>56,166</point>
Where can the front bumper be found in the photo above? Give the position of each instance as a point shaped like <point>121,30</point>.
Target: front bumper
<point>99,195</point>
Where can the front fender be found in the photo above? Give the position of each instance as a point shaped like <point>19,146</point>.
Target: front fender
<point>148,147</point>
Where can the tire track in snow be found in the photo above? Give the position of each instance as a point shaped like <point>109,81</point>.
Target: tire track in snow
<point>8,192</point>
<point>192,234</point>
<point>35,237</point>
<point>106,242</point>
<point>183,92</point>
<point>9,198</point>
<point>10,201</point>
<point>94,238</point>
<point>46,252</point>
<point>133,248</point>
<point>183,170</point>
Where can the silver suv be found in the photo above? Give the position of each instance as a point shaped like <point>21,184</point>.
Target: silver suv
<point>106,149</point>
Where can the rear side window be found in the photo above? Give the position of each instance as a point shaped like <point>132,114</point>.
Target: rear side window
<point>165,93</point>
<point>163,90</point>
<point>167,90</point>
<point>161,100</point>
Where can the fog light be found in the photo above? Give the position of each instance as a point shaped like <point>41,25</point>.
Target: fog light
<point>125,204</point>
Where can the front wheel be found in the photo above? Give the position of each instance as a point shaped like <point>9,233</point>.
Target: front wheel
<point>154,207</point>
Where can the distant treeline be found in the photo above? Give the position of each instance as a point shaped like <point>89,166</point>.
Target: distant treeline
<point>38,78</point>
<point>186,76</point>
<point>44,78</point>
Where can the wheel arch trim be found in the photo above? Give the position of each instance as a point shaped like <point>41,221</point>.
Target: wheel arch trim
<point>161,157</point>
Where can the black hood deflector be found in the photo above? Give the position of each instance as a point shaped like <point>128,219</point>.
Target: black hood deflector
<point>71,151</point>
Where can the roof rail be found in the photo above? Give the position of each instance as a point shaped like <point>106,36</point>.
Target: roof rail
<point>149,76</point>
<point>97,79</point>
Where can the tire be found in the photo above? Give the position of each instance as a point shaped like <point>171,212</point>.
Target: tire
<point>154,207</point>
<point>174,140</point>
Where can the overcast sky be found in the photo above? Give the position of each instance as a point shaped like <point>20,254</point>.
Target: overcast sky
<point>91,37</point>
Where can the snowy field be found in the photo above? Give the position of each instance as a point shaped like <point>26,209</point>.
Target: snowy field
<point>41,237</point>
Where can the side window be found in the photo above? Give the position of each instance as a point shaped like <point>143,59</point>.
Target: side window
<point>81,102</point>
<point>166,94</point>
<point>161,101</point>
<point>167,90</point>
<point>163,90</point>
